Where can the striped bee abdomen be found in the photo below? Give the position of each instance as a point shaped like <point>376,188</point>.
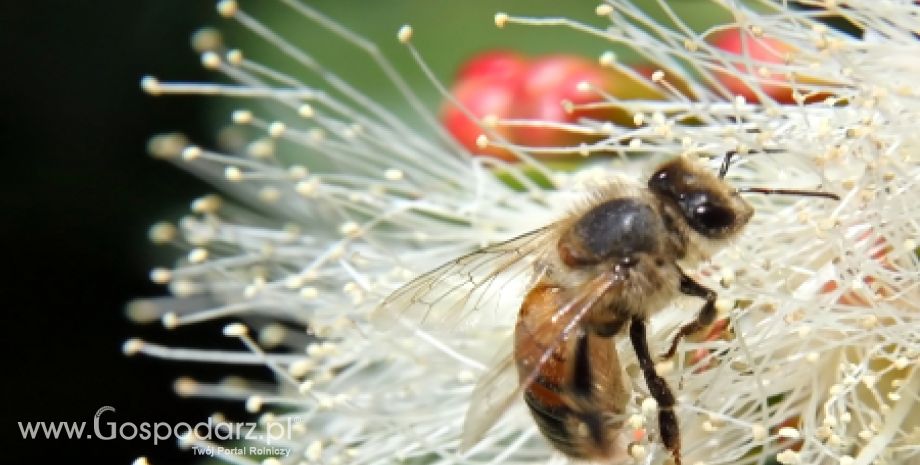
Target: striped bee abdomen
<point>577,396</point>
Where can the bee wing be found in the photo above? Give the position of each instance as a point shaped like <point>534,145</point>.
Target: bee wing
<point>492,396</point>
<point>500,386</point>
<point>457,293</point>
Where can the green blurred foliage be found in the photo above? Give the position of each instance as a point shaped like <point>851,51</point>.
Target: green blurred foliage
<point>446,33</point>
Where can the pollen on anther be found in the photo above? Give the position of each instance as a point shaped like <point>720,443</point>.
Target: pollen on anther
<point>482,141</point>
<point>305,387</point>
<point>350,229</point>
<point>132,346</point>
<point>227,8</point>
<point>405,34</point>
<point>254,404</point>
<point>354,291</point>
<point>665,367</point>
<point>393,174</point>
<point>198,255</point>
<point>301,367</point>
<point>167,146</point>
<point>466,376</point>
<point>183,288</point>
<point>140,461</point>
<point>637,452</point>
<point>241,116</point>
<point>298,171</point>
<point>788,457</point>
<point>723,305</point>
<point>185,387</point>
<point>309,293</point>
<point>272,335</point>
<point>191,153</point>
<point>636,421</point>
<point>603,9</point>
<point>649,405</point>
<point>607,58</point>
<point>142,311</point>
<point>162,232</point>
<point>490,120</point>
<point>262,148</point>
<point>567,106</point>
<point>276,129</point>
<point>235,330</point>
<point>314,451</point>
<point>501,19</point>
<point>658,75</point>
<point>727,276</point>
<point>210,60</point>
<point>316,135</point>
<point>186,438</point>
<point>206,39</point>
<point>170,320</point>
<point>151,85</point>
<point>160,275</point>
<point>788,432</point>
<point>306,111</point>
<point>293,282</point>
<point>235,57</point>
<point>269,194</point>
<point>207,204</point>
<point>233,174</point>
<point>869,321</point>
<point>307,188</point>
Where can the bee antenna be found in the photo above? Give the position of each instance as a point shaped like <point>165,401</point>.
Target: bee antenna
<point>726,162</point>
<point>727,159</point>
<point>768,190</point>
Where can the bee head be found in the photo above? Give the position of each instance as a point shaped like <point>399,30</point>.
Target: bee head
<point>710,207</point>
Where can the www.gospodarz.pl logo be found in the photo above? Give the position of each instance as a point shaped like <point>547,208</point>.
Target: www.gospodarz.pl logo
<point>107,429</point>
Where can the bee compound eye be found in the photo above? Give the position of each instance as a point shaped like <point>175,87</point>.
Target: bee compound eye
<point>661,182</point>
<point>713,216</point>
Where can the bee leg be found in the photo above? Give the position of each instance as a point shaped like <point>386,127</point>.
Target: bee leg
<point>658,387</point>
<point>609,328</point>
<point>703,319</point>
<point>582,384</point>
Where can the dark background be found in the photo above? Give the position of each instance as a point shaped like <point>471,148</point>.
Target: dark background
<point>78,192</point>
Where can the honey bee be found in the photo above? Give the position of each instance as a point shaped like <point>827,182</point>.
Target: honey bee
<point>603,270</point>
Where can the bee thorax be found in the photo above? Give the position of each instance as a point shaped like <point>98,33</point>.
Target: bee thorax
<point>616,229</point>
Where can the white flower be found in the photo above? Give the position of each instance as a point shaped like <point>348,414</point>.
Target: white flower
<point>820,365</point>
